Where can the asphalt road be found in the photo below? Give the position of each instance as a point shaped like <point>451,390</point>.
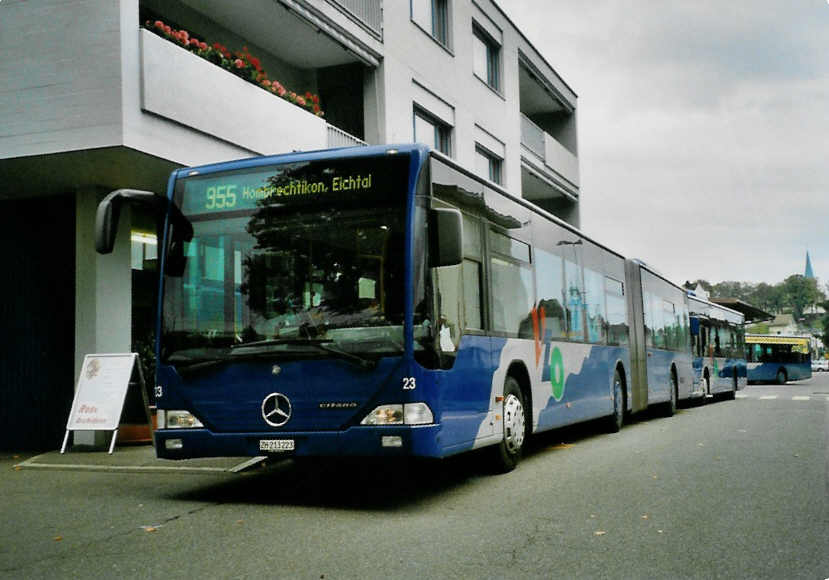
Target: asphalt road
<point>731,489</point>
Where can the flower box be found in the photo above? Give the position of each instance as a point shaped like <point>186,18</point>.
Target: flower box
<point>181,86</point>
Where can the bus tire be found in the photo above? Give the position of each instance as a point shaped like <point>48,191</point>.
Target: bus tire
<point>615,421</point>
<point>732,394</point>
<point>507,453</point>
<point>781,378</point>
<point>669,408</point>
<point>706,389</point>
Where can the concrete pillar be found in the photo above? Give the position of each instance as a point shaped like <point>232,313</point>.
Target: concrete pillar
<point>103,296</point>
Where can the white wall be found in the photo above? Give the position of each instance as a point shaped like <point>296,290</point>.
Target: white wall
<point>448,74</point>
<point>103,292</point>
<point>60,76</point>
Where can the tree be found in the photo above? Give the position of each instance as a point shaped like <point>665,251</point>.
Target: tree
<point>769,298</point>
<point>801,293</point>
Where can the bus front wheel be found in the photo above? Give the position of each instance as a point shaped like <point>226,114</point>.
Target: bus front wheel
<point>781,377</point>
<point>508,452</point>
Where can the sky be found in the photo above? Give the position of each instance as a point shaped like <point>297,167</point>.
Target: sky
<point>703,129</point>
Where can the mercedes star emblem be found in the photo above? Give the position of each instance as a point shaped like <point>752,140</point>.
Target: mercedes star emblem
<point>276,409</point>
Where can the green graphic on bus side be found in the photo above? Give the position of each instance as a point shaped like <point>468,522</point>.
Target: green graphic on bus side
<point>557,373</point>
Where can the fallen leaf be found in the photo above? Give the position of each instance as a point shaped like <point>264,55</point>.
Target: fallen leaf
<point>700,444</point>
<point>58,538</point>
<point>562,446</point>
<point>592,516</point>
<point>654,477</point>
<point>149,528</point>
<point>599,533</point>
<point>646,517</point>
<point>659,531</point>
<point>17,468</point>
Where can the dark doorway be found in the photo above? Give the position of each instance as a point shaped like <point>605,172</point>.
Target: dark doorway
<point>37,310</point>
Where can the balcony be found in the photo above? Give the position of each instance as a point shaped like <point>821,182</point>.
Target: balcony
<point>544,153</point>
<point>549,145</point>
<point>369,13</point>
<point>188,90</point>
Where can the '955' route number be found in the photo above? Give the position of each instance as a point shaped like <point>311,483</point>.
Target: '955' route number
<point>409,384</point>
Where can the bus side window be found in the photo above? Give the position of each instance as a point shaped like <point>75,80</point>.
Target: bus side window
<point>472,267</point>
<point>616,312</point>
<point>548,282</point>
<point>460,297</point>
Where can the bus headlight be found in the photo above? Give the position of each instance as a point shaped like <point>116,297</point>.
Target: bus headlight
<point>177,420</point>
<point>408,414</point>
<point>417,414</point>
<point>384,415</point>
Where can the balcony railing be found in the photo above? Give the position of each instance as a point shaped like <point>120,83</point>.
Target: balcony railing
<point>339,138</point>
<point>369,12</point>
<point>550,152</point>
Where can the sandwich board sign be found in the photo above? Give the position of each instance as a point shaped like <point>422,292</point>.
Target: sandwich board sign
<point>102,389</point>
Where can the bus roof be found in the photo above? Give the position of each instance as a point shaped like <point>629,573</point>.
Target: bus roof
<point>303,156</point>
<point>776,339</point>
<point>701,307</point>
<point>521,201</point>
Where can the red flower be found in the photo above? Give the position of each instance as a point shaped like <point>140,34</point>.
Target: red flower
<point>315,99</point>
<point>238,63</point>
<point>316,108</point>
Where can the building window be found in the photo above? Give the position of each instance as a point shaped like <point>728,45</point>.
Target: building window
<point>433,17</point>
<point>432,132</point>
<point>488,165</point>
<point>486,55</point>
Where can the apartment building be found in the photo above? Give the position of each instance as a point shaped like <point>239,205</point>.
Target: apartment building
<point>98,96</point>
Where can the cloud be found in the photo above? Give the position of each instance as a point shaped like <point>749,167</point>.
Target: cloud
<point>703,131</point>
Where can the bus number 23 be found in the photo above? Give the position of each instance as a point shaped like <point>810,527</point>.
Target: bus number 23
<point>409,384</point>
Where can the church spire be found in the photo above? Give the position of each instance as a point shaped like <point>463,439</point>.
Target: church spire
<point>808,273</point>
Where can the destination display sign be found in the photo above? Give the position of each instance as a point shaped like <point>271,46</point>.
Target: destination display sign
<point>292,185</point>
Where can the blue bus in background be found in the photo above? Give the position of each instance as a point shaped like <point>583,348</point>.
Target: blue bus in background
<point>778,359</point>
<point>718,338</point>
<point>382,301</point>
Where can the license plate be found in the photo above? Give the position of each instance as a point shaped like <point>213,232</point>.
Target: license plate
<point>276,445</point>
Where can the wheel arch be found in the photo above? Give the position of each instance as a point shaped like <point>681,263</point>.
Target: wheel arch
<point>620,368</point>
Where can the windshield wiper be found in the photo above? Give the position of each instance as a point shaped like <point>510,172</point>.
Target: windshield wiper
<point>323,344</point>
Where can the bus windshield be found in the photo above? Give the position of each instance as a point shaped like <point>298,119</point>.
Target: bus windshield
<point>302,260</point>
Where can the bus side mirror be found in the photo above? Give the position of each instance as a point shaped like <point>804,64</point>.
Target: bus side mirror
<point>445,237</point>
<point>106,223</point>
<point>109,210</point>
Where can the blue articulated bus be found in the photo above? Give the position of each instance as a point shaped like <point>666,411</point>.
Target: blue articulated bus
<point>718,337</point>
<point>383,301</point>
<point>777,358</point>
